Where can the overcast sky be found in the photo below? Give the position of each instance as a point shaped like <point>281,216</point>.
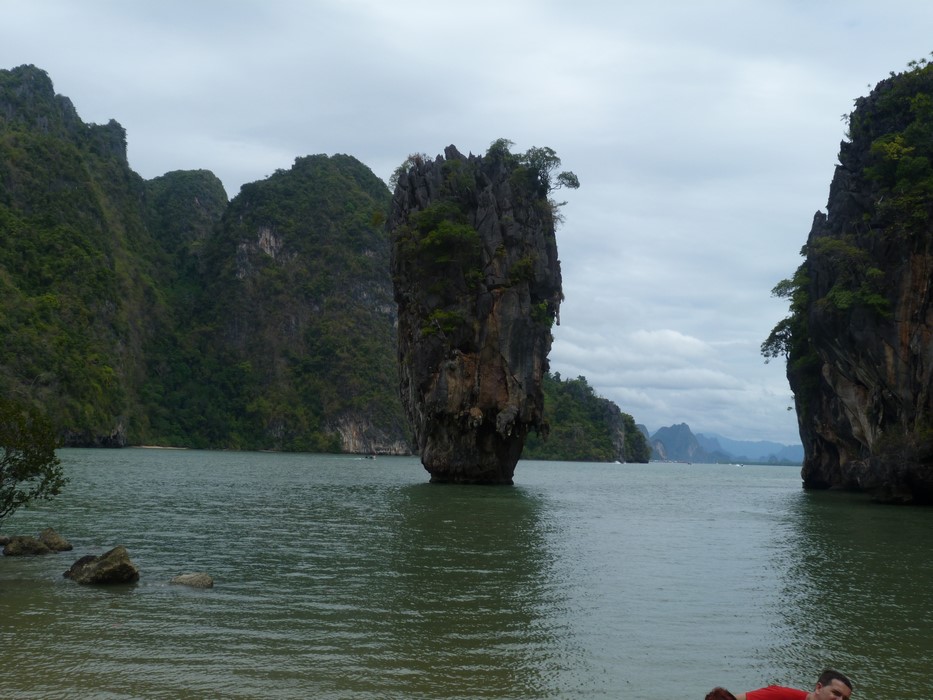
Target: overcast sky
<point>704,135</point>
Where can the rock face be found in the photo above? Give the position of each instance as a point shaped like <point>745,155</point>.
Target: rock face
<point>858,340</point>
<point>48,541</point>
<point>478,286</point>
<point>24,545</point>
<point>108,568</point>
<point>677,443</point>
<point>54,541</point>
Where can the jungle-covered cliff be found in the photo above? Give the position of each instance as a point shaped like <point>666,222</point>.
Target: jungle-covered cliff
<point>858,337</point>
<point>76,270</point>
<point>154,311</point>
<point>585,427</point>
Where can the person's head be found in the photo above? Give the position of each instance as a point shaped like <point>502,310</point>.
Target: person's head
<point>832,685</point>
<point>719,694</point>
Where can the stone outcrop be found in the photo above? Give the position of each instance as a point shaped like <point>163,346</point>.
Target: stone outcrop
<point>25,545</point>
<point>47,542</point>
<point>860,357</point>
<point>111,567</point>
<point>54,541</point>
<point>478,286</point>
<point>362,436</point>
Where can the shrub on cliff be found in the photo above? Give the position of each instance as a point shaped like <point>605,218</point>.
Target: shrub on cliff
<point>29,468</point>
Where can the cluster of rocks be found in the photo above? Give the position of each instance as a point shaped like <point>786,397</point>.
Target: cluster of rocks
<point>48,541</point>
<point>111,567</point>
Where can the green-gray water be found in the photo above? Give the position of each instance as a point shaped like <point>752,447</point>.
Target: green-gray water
<point>338,577</point>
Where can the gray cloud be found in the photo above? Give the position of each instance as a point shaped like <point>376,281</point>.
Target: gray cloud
<point>704,135</point>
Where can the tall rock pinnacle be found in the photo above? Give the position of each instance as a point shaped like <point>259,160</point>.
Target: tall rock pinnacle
<point>478,286</point>
<point>859,339</point>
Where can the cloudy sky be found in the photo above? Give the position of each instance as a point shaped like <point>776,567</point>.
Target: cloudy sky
<point>704,135</point>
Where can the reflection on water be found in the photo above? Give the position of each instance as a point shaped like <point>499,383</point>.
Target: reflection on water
<point>858,594</point>
<point>334,578</point>
<point>469,590</point>
<point>347,578</point>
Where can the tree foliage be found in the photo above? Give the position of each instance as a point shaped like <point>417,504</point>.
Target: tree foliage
<point>888,202</point>
<point>29,467</point>
<point>584,427</point>
<point>539,164</point>
<point>158,312</point>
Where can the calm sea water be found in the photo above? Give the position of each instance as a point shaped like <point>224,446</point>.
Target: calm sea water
<point>338,577</point>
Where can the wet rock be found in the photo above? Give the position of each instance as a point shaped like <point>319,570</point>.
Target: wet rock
<point>109,568</point>
<point>24,545</point>
<point>54,541</point>
<point>195,580</point>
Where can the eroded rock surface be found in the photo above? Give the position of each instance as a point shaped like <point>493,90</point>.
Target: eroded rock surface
<point>478,286</point>
<point>111,567</point>
<point>51,539</point>
<point>24,545</point>
<point>860,357</point>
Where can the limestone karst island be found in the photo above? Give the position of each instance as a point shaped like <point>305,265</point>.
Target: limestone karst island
<point>858,337</point>
<point>318,310</point>
<point>478,285</point>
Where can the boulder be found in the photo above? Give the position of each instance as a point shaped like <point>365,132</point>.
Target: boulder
<point>54,541</point>
<point>108,568</point>
<point>195,580</point>
<point>23,545</point>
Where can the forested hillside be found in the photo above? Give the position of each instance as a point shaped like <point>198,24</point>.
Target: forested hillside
<point>585,427</point>
<point>79,302</point>
<point>157,312</point>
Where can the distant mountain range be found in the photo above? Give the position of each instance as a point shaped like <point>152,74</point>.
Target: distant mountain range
<point>677,443</point>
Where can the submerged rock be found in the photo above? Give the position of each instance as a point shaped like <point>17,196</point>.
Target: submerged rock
<point>478,286</point>
<point>108,568</point>
<point>195,580</point>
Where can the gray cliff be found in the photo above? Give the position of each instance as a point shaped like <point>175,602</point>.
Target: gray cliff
<point>478,286</point>
<point>858,340</point>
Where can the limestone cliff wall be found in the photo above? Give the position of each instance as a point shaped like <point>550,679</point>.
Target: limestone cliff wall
<point>478,285</point>
<point>861,361</point>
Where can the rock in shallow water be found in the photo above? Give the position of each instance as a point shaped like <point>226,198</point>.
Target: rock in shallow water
<point>478,285</point>
<point>54,541</point>
<point>109,568</point>
<point>47,542</point>
<point>24,545</point>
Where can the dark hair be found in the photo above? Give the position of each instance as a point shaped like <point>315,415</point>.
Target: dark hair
<point>719,694</point>
<point>829,675</point>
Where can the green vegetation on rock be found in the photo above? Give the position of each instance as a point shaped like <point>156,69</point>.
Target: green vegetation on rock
<point>584,427</point>
<point>856,338</point>
<point>156,312</point>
